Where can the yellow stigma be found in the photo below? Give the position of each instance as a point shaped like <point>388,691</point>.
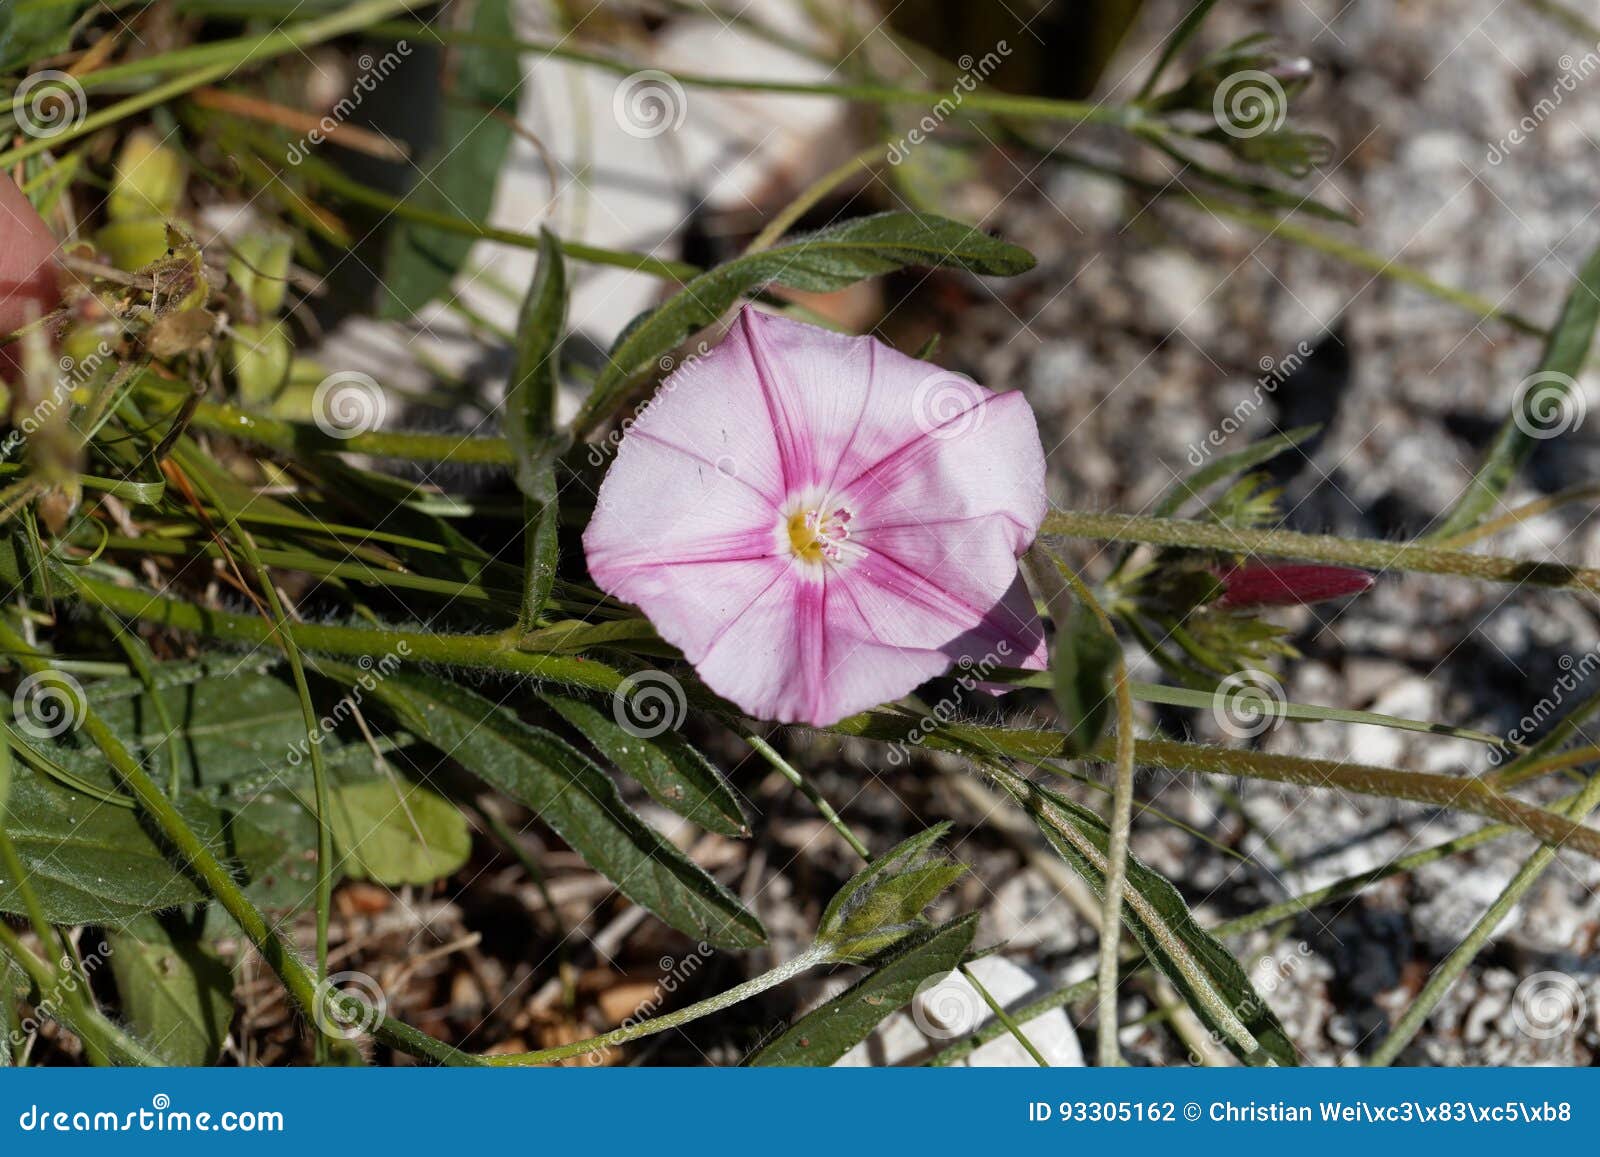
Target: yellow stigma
<point>805,537</point>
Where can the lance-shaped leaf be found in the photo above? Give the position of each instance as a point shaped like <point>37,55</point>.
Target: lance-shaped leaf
<point>1082,660</point>
<point>1546,404</point>
<point>531,422</point>
<point>667,766</point>
<point>1212,982</point>
<point>571,794</point>
<point>825,1034</point>
<point>820,262</point>
<point>883,903</point>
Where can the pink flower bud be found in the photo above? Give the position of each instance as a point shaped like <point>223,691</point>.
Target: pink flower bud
<point>1289,584</point>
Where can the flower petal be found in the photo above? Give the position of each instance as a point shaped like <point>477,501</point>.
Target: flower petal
<point>985,464</point>
<point>842,403</point>
<point>660,505</point>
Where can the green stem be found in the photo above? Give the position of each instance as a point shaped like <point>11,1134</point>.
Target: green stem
<point>767,752</point>
<point>238,54</point>
<point>294,438</point>
<point>1368,553</point>
<point>1251,922</point>
<point>354,191</point>
<point>656,1024</point>
<point>283,634</point>
<point>1278,228</point>
<point>1052,573</point>
<point>1444,977</point>
<point>994,103</point>
<point>1004,1018</point>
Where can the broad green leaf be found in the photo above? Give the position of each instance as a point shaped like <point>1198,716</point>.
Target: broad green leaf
<point>458,177</point>
<point>1212,982</point>
<point>94,864</point>
<point>667,766</point>
<point>827,1033</point>
<point>823,261</point>
<point>1546,404</point>
<point>175,992</point>
<point>397,833</point>
<point>531,423</point>
<point>576,799</point>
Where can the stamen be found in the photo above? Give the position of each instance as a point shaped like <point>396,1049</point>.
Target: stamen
<point>814,536</point>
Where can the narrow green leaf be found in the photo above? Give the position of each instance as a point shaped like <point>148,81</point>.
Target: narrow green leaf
<point>1545,404</point>
<point>1227,465</point>
<point>1181,35</point>
<point>823,261</point>
<point>1082,659</point>
<point>667,766</point>
<point>531,423</point>
<point>576,798</point>
<point>827,1033</point>
<point>397,834</point>
<point>176,993</point>
<point>908,853</point>
<point>1308,712</point>
<point>1212,982</point>
<point>458,177</point>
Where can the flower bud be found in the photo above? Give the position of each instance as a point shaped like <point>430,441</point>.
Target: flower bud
<point>260,356</point>
<point>149,179</point>
<point>260,268</point>
<point>1289,584</point>
<point>133,244</point>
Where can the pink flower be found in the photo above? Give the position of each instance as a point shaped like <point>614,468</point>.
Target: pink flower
<point>1288,584</point>
<point>820,523</point>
